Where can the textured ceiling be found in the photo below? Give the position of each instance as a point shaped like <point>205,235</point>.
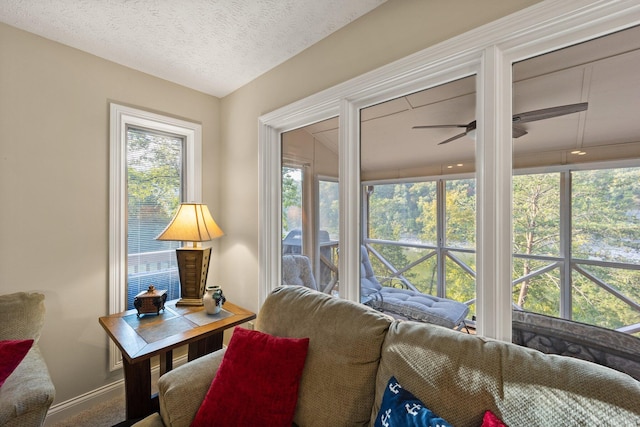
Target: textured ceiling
<point>214,46</point>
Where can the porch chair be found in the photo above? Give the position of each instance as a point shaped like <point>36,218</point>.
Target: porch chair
<point>296,271</point>
<point>405,303</point>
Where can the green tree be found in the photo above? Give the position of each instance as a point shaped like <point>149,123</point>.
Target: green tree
<point>154,177</point>
<point>387,221</point>
<point>291,197</point>
<point>536,222</point>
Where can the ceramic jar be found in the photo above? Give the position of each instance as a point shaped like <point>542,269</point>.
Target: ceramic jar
<point>213,299</point>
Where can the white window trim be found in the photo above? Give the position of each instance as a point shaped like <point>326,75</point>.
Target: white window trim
<point>120,118</point>
<point>489,52</point>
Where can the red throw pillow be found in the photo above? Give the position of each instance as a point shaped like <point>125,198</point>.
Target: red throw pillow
<point>11,354</point>
<point>257,382</point>
<point>490,420</point>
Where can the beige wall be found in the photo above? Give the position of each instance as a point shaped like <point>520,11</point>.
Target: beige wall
<point>54,188</point>
<point>54,148</point>
<point>390,32</point>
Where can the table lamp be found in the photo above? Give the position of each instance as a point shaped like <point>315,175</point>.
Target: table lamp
<point>192,223</point>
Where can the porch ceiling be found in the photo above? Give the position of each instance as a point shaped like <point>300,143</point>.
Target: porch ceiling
<point>604,72</point>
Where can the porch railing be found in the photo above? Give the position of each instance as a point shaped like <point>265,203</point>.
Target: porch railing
<point>395,273</point>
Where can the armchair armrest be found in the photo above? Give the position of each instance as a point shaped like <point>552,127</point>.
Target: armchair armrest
<point>28,393</point>
<point>182,390</point>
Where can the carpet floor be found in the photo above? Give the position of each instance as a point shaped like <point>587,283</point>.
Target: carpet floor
<point>106,414</point>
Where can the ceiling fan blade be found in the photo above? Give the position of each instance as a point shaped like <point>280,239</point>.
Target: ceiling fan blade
<point>439,126</point>
<point>547,113</point>
<point>453,138</point>
<point>517,132</point>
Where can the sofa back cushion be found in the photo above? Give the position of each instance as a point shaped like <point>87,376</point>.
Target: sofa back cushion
<point>460,376</point>
<point>338,382</point>
<point>21,316</point>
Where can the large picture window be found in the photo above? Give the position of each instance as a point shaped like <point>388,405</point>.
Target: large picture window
<point>541,266</point>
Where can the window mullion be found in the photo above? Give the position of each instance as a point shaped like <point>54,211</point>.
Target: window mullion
<point>565,245</point>
<point>441,221</point>
<point>494,169</point>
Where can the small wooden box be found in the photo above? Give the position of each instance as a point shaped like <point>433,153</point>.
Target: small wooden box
<point>150,301</point>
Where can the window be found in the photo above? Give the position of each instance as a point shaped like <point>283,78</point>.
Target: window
<point>601,253</point>
<point>488,52</point>
<point>292,209</point>
<point>422,236</point>
<point>310,199</point>
<point>329,234</point>
<point>155,163</point>
<point>154,192</point>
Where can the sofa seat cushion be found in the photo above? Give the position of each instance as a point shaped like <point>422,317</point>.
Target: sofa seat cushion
<point>460,376</point>
<point>345,338</point>
<point>420,307</point>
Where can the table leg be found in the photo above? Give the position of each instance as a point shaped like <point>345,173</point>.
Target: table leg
<point>137,384</point>
<point>205,346</point>
<point>166,362</point>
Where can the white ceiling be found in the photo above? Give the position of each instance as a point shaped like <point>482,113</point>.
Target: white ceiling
<point>214,46</point>
<point>604,72</point>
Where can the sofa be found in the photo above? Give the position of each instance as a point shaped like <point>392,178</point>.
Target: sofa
<point>28,392</point>
<point>354,350</point>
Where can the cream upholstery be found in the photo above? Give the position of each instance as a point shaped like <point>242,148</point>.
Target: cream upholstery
<point>28,392</point>
<point>355,349</point>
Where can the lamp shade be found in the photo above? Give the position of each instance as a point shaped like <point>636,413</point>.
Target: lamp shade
<point>192,223</point>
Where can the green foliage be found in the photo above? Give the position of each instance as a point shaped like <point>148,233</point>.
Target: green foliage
<point>536,214</point>
<point>154,172</point>
<point>606,208</point>
<point>291,199</point>
<point>461,213</point>
<point>606,226</point>
<point>329,208</point>
<point>154,186</point>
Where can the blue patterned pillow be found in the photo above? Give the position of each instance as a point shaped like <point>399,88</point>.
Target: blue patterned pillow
<point>402,409</point>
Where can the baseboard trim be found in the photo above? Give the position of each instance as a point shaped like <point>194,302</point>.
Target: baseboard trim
<point>63,410</point>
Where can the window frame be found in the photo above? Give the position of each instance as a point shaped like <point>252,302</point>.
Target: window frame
<point>489,52</point>
<point>121,117</point>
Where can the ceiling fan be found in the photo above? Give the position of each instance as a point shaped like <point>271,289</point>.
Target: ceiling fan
<point>529,116</point>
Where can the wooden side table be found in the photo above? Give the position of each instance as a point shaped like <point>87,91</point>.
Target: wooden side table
<point>141,338</point>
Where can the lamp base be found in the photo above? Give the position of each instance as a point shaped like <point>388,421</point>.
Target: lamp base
<point>193,266</point>
<point>189,302</point>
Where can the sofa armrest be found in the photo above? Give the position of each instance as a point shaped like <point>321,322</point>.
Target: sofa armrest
<point>153,420</point>
<point>28,392</point>
<point>182,390</point>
